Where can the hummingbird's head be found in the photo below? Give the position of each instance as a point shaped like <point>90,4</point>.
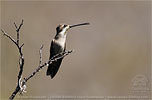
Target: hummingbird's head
<point>62,28</point>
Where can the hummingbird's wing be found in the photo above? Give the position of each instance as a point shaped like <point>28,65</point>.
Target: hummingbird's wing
<point>54,67</point>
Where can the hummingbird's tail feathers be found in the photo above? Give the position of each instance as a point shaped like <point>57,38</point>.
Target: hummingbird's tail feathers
<point>48,70</point>
<point>53,68</point>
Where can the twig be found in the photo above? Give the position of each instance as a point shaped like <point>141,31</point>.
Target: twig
<point>5,34</point>
<point>15,25</point>
<point>17,30</point>
<point>22,45</point>
<point>40,55</point>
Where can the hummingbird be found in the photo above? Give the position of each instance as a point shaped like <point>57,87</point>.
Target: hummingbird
<point>58,45</point>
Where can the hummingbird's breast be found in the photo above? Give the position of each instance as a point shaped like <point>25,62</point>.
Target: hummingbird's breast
<point>60,41</point>
<point>59,45</point>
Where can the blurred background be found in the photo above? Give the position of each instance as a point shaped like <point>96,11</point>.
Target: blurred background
<point>110,55</point>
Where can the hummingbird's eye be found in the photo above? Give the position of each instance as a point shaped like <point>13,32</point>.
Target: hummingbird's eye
<point>65,25</point>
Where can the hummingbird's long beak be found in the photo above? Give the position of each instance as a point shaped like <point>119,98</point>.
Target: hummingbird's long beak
<point>79,25</point>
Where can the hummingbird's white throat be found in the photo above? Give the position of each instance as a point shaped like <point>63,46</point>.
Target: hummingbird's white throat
<point>63,33</point>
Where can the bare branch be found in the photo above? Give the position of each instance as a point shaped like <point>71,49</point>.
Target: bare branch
<point>21,60</point>
<point>15,25</point>
<point>21,84</point>
<point>55,58</point>
<point>20,26</point>
<point>22,45</point>
<point>40,55</point>
<point>17,30</point>
<point>5,34</point>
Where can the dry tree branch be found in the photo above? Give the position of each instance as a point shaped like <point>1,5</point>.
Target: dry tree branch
<point>21,58</point>
<point>41,66</point>
<point>21,84</point>
<point>55,58</point>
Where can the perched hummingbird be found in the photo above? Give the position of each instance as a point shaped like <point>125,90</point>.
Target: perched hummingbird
<point>58,45</point>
